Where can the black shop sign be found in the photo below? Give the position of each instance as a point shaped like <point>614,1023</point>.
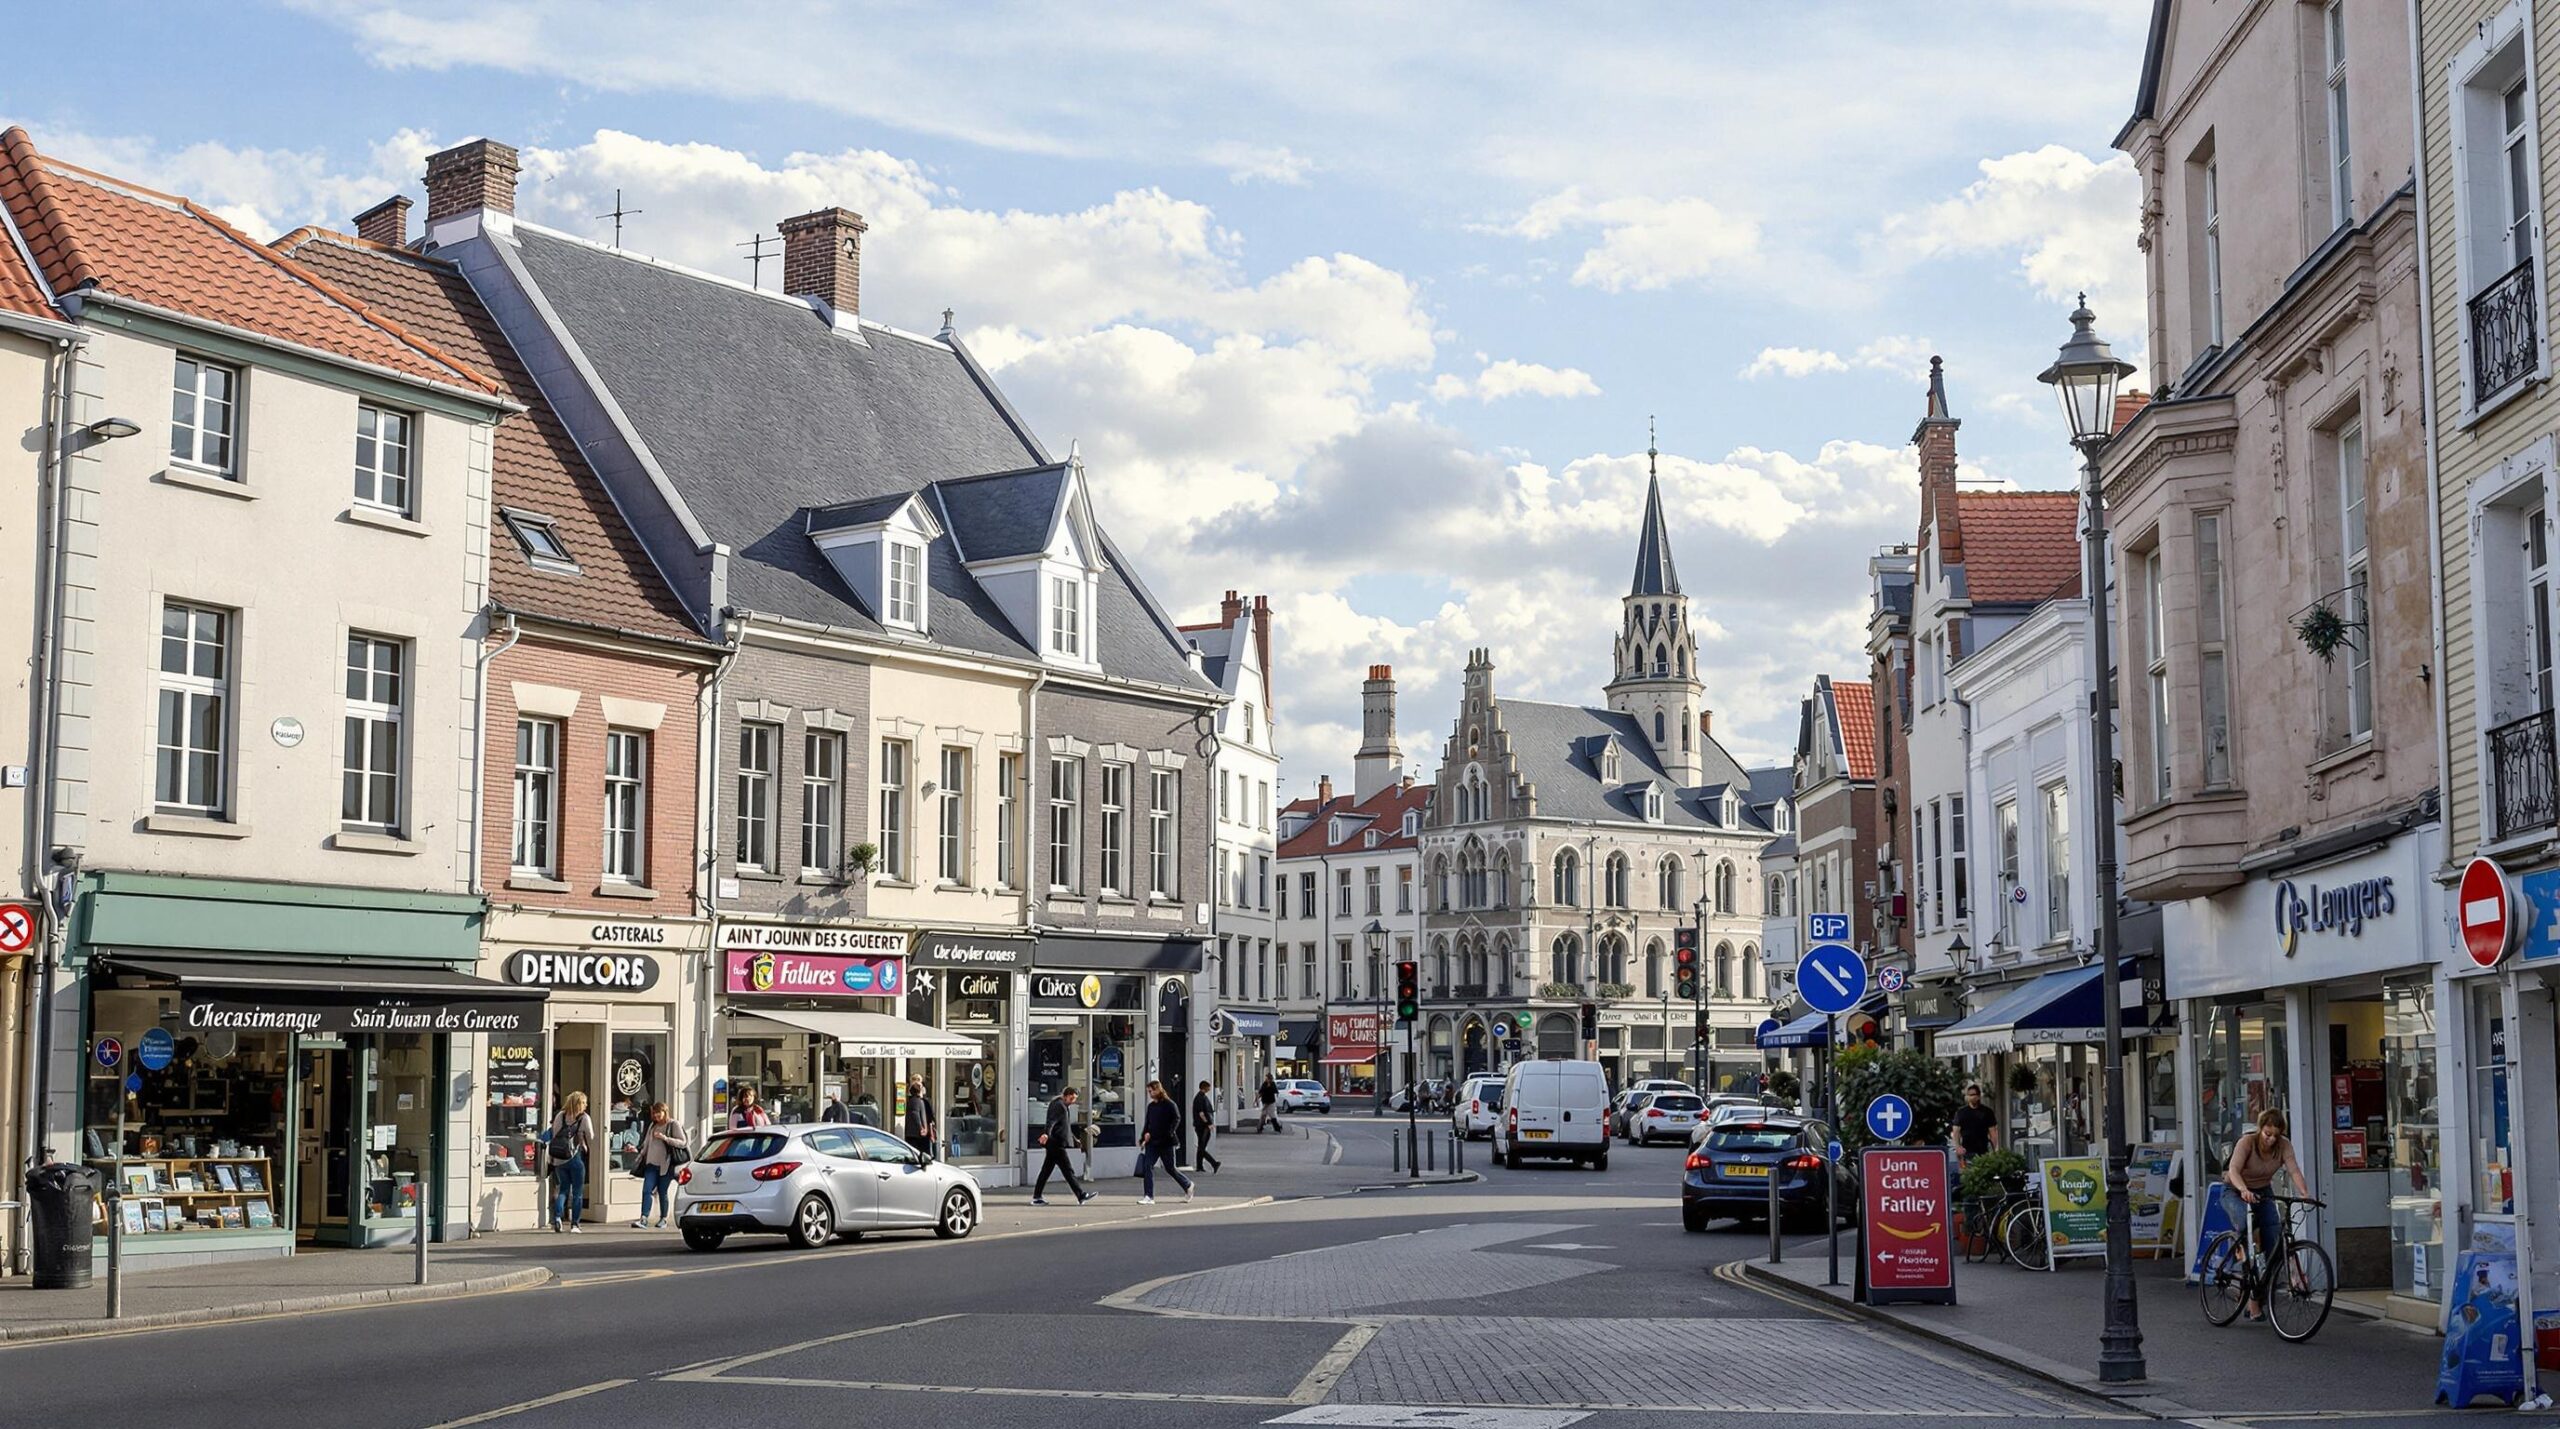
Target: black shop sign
<point>323,1015</point>
<point>1088,992</point>
<point>970,950</point>
<point>588,971</point>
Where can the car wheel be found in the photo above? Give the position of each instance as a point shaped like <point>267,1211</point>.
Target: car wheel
<point>814,1223</point>
<point>1600,1162</point>
<point>703,1238</point>
<point>1693,1219</point>
<point>959,1216</point>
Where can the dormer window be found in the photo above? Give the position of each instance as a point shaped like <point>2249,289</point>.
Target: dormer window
<point>1732,815</point>
<point>905,601</point>
<point>878,546</point>
<point>1778,816</point>
<point>1609,761</point>
<point>1653,803</point>
<point>1066,617</point>
<point>1412,823</point>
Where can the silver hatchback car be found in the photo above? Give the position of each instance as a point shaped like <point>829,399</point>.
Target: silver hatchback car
<point>814,1183</point>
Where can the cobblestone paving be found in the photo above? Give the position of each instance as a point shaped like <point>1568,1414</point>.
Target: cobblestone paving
<point>1761,1366</point>
<point>1447,1263</point>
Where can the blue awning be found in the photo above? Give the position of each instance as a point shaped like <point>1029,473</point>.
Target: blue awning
<point>2057,1007</point>
<point>1247,1024</point>
<point>1811,1030</point>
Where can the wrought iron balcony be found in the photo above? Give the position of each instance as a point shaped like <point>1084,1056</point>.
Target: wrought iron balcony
<point>2523,790</point>
<point>2506,330</point>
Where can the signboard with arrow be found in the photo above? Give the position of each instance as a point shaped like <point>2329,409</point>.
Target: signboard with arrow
<point>1906,1239</point>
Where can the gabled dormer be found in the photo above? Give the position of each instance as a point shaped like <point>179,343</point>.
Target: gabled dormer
<point>1030,540</point>
<point>881,547</point>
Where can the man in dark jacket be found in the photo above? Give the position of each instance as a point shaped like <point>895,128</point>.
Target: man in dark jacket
<point>920,1126</point>
<point>1270,1094</point>
<point>1156,1142</point>
<point>1056,1139</point>
<point>1204,1123</point>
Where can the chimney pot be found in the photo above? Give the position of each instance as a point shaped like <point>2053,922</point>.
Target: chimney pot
<point>470,177</point>
<point>386,223</point>
<point>822,259</point>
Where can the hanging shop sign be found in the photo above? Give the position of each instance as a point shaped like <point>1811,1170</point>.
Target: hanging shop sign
<point>970,950</point>
<point>2339,908</point>
<point>610,972</point>
<point>1088,992</point>
<point>790,974</point>
<point>811,938</point>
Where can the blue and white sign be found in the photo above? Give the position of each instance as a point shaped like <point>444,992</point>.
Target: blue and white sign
<point>156,1050</point>
<point>1891,979</point>
<point>1828,927</point>
<point>1889,1117</point>
<point>108,1051</point>
<point>1767,1026</point>
<point>1831,978</point>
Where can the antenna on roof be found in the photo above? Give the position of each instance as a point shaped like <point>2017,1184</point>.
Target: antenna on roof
<point>755,257</point>
<point>618,215</point>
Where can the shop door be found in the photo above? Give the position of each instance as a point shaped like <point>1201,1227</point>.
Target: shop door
<point>573,1069</point>
<point>325,1143</point>
<point>1059,1060</point>
<point>2357,1181</point>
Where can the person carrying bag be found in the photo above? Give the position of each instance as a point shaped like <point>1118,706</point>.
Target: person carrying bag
<point>567,1146</point>
<point>663,1152</point>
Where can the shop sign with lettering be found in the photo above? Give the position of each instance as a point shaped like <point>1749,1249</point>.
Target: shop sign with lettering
<point>970,950</point>
<point>813,975</point>
<point>321,1015</point>
<point>813,938</point>
<point>1088,992</point>
<point>610,972</point>
<point>2339,908</point>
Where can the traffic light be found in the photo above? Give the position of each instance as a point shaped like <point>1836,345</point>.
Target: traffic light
<point>1704,1017</point>
<point>1684,963</point>
<point>1408,991</point>
<point>1590,1022</point>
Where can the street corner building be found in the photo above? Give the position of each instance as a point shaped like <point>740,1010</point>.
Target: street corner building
<point>955,758</point>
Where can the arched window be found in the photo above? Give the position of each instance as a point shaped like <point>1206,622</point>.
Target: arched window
<point>1500,982</point>
<point>1613,887</point>
<point>1440,966</point>
<point>1725,901</point>
<point>1661,730</point>
<point>1440,881</point>
<point>1568,887</point>
<point>1670,880</point>
<point>1821,888</point>
<point>1613,959</point>
<point>1724,969</point>
<point>1682,655</point>
<point>1564,963</point>
<point>1471,876</point>
<point>1653,968</point>
<point>1751,971</point>
<point>1661,660</point>
<point>1502,879</point>
<point>1684,734</point>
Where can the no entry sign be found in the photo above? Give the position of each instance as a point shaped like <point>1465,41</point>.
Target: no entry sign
<point>2485,910</point>
<point>1906,1239</point>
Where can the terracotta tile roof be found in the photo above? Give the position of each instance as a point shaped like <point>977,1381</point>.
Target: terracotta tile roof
<point>2129,405</point>
<point>2020,547</point>
<point>174,255</point>
<point>1854,703</point>
<point>1384,811</point>
<point>19,291</point>
<point>535,467</point>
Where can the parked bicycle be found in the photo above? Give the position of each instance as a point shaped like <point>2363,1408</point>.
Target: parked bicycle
<point>2009,1225</point>
<point>2295,1283</point>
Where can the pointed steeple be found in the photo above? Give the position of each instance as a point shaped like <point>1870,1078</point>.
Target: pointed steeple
<point>1654,573</point>
<point>1937,389</point>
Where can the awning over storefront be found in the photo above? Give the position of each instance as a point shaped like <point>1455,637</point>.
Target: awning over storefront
<point>1350,1057</point>
<point>1295,1035</point>
<point>1811,1030</point>
<point>2057,1007</point>
<point>1247,1024</point>
<point>873,1034</point>
<point>321,999</point>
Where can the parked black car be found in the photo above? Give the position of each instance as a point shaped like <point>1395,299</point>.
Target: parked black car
<point>1729,1174</point>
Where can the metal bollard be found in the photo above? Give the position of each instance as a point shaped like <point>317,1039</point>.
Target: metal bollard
<point>1431,1153</point>
<point>1398,1143</point>
<point>1777,1247</point>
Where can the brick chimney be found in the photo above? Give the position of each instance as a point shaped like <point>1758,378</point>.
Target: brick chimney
<point>822,259</point>
<point>1262,644</point>
<point>386,223</point>
<point>1380,762</point>
<point>1228,609</point>
<point>1324,791</point>
<point>468,178</point>
<point>1936,438</point>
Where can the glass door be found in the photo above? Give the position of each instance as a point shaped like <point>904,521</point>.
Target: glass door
<point>324,1141</point>
<point>399,1131</point>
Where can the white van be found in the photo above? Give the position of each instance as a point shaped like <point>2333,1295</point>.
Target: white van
<point>1555,1108</point>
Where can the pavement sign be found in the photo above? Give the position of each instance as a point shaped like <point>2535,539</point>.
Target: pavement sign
<point>1906,1239</point>
<point>1831,978</point>
<point>1889,1117</point>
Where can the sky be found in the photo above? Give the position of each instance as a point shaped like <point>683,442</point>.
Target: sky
<point>1364,308</point>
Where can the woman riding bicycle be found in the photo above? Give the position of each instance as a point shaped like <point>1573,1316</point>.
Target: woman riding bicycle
<point>2255,1160</point>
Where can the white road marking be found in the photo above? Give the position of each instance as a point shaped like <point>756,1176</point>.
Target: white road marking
<point>1328,1371</point>
<point>1398,1416</point>
<point>530,1405</point>
<point>1565,1245</point>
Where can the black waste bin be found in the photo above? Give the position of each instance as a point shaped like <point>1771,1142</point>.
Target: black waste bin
<point>62,1199</point>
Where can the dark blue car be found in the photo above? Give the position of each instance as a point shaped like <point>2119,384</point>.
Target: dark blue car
<point>1730,1172</point>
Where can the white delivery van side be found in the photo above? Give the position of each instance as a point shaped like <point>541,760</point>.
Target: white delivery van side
<point>1558,1109</point>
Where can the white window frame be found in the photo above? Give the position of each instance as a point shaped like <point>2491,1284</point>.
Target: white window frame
<point>1008,821</point>
<point>387,481</point>
<point>2333,39</point>
<point>902,584</point>
<point>1066,617</point>
<point>191,437</point>
<point>754,848</point>
<point>203,708</point>
<point>2354,490</point>
<point>2004,815</point>
<point>2213,656</point>
<point>2155,649</point>
<point>894,831</point>
<point>372,784</point>
<point>2213,250</point>
<point>1114,795</point>
<point>951,818</point>
<point>534,848</point>
<point>626,807</point>
<point>1066,825</point>
<point>1957,856</point>
<point>822,802</point>
<point>1163,869</point>
<point>2477,80</point>
<point>2054,801</point>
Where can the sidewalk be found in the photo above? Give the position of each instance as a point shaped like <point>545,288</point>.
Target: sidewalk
<point>2047,1325</point>
<point>248,1290</point>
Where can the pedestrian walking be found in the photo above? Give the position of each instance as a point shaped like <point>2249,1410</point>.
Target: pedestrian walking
<point>569,1142</point>
<point>1053,1140</point>
<point>663,1152</point>
<point>1270,1095</point>
<point>1156,1141</point>
<point>1204,1124</point>
<point>1977,1126</point>
<point>835,1111</point>
<point>920,1126</point>
<point>749,1112</point>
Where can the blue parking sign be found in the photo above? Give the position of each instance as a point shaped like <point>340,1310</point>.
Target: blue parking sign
<point>1828,927</point>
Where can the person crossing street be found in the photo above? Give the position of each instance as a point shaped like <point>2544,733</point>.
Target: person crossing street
<point>1156,1143</point>
<point>1204,1124</point>
<point>1054,1142</point>
<point>1270,1094</point>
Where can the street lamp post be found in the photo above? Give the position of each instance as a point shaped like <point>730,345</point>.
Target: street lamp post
<point>2084,376</point>
<point>1375,935</point>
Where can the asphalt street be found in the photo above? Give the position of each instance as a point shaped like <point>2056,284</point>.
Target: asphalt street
<point>1535,1299</point>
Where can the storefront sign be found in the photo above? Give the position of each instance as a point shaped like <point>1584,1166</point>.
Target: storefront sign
<point>970,950</point>
<point>2342,907</point>
<point>515,1074</point>
<point>1088,992</point>
<point>2075,1205</point>
<point>322,1015</point>
<point>982,987</point>
<point>810,938</point>
<point>2150,1173</point>
<point>1907,1235</point>
<point>1080,950</point>
<point>813,975</point>
<point>1352,1031</point>
<point>2540,894</point>
<point>614,972</point>
<point>649,934</point>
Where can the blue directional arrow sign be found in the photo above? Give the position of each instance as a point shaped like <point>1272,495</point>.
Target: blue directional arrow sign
<point>1889,1117</point>
<point>1831,978</point>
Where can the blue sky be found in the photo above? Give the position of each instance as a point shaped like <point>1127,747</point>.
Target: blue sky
<point>1361,307</point>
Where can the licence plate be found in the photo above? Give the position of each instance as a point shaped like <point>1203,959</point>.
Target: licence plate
<point>1537,1135</point>
<point>1746,1170</point>
<point>715,1208</point>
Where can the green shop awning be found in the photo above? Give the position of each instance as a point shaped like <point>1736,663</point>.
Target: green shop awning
<point>138,913</point>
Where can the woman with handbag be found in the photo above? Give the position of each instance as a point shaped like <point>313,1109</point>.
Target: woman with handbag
<point>567,1144</point>
<point>663,1152</point>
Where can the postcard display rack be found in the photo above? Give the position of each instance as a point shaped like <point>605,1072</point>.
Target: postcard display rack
<point>232,1189</point>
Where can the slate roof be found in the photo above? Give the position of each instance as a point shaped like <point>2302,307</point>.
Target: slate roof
<point>1768,787</point>
<point>758,411</point>
<point>2020,547</point>
<point>1853,706</point>
<point>535,467</point>
<point>1384,811</point>
<point>1558,749</point>
<point>171,254</point>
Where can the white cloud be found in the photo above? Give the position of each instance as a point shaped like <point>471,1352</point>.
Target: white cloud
<point>1247,163</point>
<point>1644,243</point>
<point>2069,221</point>
<point>1509,378</point>
<point>1793,362</point>
<point>1900,355</point>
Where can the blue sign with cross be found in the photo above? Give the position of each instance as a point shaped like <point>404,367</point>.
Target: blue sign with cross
<point>1889,1117</point>
<point>1831,978</point>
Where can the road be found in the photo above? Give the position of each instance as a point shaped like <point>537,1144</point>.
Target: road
<point>1534,1300</point>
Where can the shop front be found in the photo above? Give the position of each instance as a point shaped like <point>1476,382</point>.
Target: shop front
<point>1301,1042</point>
<point>2313,988</point>
<point>1106,1015</point>
<point>801,1004</point>
<point>623,1024</point>
<point>972,985</point>
<point>269,1066</point>
<point>1242,1056</point>
<point>1353,1053</point>
<point>2036,1046</point>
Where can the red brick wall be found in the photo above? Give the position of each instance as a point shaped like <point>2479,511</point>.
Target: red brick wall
<point>671,783</point>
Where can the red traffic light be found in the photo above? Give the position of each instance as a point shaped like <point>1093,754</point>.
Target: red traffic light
<point>1685,956</point>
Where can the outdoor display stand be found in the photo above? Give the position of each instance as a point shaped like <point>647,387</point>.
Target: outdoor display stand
<point>1906,1238</point>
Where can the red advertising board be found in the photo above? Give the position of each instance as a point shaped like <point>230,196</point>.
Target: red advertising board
<point>814,974</point>
<point>1907,1237</point>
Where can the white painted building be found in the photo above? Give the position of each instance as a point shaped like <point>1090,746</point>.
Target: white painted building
<point>1241,1021</point>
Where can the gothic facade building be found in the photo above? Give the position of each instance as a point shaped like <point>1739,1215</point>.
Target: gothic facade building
<point>1566,846</point>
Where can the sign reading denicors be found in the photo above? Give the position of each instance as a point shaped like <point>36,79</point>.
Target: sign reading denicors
<point>807,938</point>
<point>615,972</point>
<point>1908,1236</point>
<point>813,974</point>
<point>2484,908</point>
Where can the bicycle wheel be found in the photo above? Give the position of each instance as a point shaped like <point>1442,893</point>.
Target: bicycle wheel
<point>2303,1284</point>
<point>2223,1279</point>
<point>2025,1241</point>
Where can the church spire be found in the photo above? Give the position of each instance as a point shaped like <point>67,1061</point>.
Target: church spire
<point>1654,573</point>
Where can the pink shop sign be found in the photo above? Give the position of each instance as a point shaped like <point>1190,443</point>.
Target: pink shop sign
<point>814,974</point>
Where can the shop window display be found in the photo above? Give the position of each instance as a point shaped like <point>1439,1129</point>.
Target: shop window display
<point>2241,1070</point>
<point>637,1078</point>
<point>2491,1126</point>
<point>2410,1139</point>
<point>399,1126</point>
<point>203,1137</point>
<point>514,1109</point>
